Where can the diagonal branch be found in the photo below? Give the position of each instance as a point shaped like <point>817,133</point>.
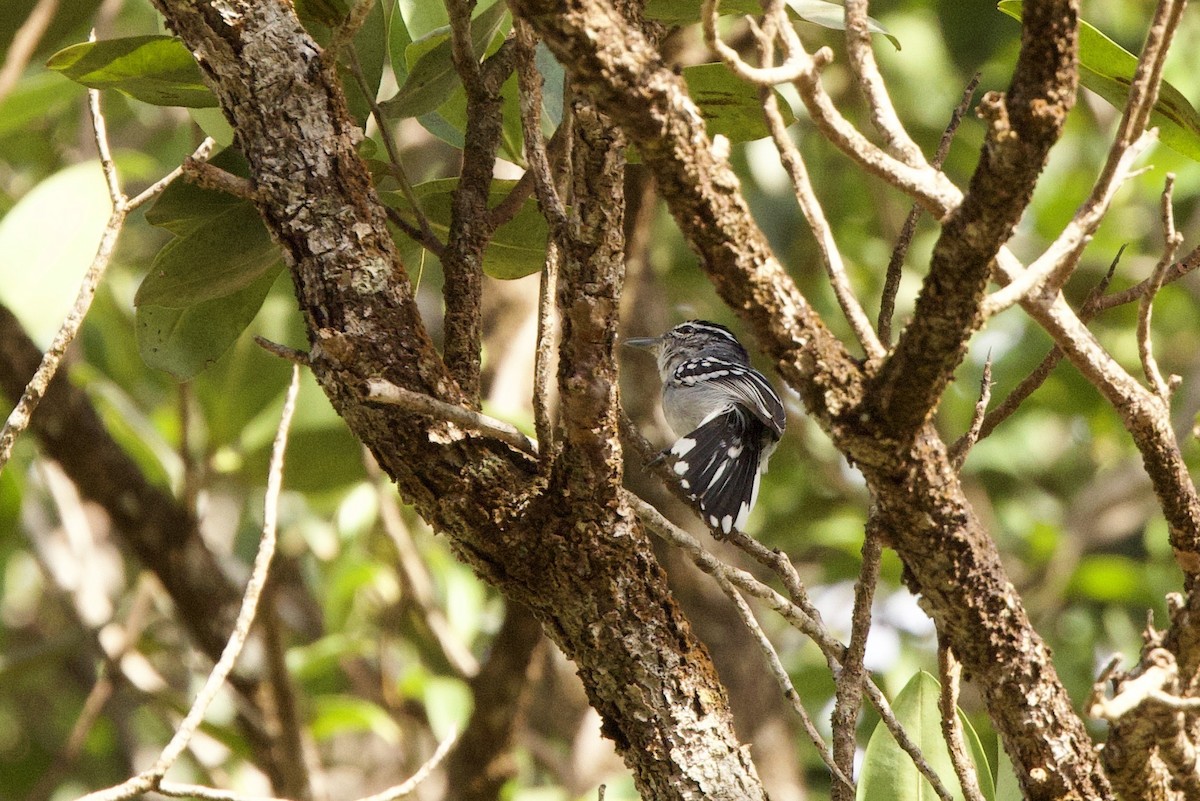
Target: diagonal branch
<point>1022,125</point>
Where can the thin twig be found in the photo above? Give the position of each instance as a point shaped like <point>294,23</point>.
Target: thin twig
<point>412,782</point>
<point>849,683</point>
<point>543,356</point>
<point>783,679</point>
<point>283,351</point>
<point>24,43</point>
<point>418,584</point>
<point>422,233</point>
<point>181,790</point>
<point>151,779</point>
<point>950,672</point>
<point>872,87</point>
<point>810,206</point>
<point>1173,239</point>
<point>891,281</point>
<point>381,391</point>
<point>796,617</point>
<point>1039,374</point>
<point>959,450</point>
<point>210,176</point>
<point>18,419</point>
<point>795,65</point>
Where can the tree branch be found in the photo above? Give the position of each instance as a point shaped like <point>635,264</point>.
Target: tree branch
<point>605,604</point>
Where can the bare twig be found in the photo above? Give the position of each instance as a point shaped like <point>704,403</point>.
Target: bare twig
<point>151,779</point>
<point>382,391</point>
<point>891,281</point>
<point>292,355</point>
<point>423,232</point>
<point>785,682</point>
<point>848,698</point>
<point>831,257</point>
<point>210,176</point>
<point>1178,270</point>
<point>950,671</point>
<point>871,85</point>
<point>796,64</point>
<point>1173,239</point>
<point>180,790</point>
<point>543,359</point>
<point>795,615</point>
<point>958,452</point>
<point>1039,374</point>
<point>24,43</point>
<point>412,782</point>
<point>18,419</point>
<point>418,584</point>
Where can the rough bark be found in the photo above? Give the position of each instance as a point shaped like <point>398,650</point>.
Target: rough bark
<point>580,563</point>
<point>949,557</point>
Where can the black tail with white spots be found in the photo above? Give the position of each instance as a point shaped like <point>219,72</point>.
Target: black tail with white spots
<point>718,466</point>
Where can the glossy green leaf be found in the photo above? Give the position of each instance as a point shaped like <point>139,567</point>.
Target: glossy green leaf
<point>449,122</point>
<point>184,342</point>
<point>433,77</point>
<point>518,247</point>
<point>887,770</point>
<point>1107,69</point>
<point>818,12</point>
<point>728,104</point>
<point>154,69</point>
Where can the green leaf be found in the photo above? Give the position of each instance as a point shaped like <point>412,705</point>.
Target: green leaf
<point>433,76</point>
<point>343,714</point>
<point>1107,69</point>
<point>154,69</point>
<point>728,104</point>
<point>35,97</point>
<point>818,12</point>
<point>219,257</point>
<point>184,342</point>
<point>518,247</point>
<point>887,771</point>
<point>983,768</point>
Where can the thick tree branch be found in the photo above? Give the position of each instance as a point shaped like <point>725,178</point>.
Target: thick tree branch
<point>1022,125</point>
<point>950,558</point>
<point>596,590</point>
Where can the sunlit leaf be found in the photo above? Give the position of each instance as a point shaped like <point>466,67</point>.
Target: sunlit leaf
<point>518,247</point>
<point>154,69</point>
<point>334,715</point>
<point>47,242</point>
<point>887,770</point>
<point>1107,69</point>
<point>433,76</point>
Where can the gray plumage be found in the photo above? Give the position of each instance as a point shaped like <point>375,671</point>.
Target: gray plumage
<point>729,415</point>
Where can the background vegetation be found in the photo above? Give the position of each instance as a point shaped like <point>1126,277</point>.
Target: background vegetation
<point>379,625</point>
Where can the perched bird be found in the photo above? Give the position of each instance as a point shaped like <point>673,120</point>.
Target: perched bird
<point>730,414</point>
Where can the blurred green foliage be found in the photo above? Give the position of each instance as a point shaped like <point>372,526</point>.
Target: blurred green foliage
<point>1059,485</point>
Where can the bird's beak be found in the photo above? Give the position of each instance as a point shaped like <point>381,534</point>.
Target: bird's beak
<point>644,343</point>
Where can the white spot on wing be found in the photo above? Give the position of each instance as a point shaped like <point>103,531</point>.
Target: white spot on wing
<point>683,446</point>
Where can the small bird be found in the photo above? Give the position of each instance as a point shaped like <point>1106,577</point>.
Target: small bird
<point>732,416</point>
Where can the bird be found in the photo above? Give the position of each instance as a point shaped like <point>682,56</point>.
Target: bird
<point>726,415</point>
